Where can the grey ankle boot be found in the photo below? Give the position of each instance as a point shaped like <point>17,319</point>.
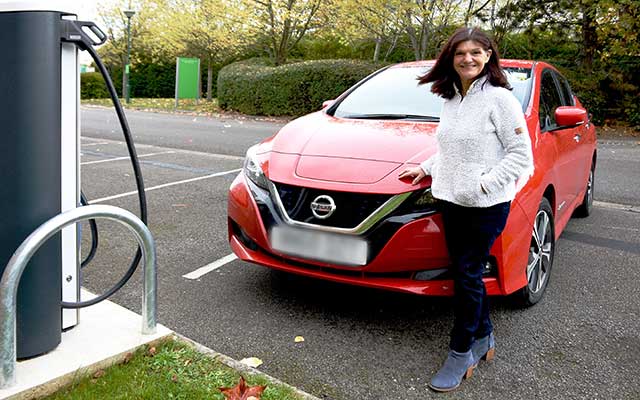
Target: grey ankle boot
<point>484,348</point>
<point>456,366</point>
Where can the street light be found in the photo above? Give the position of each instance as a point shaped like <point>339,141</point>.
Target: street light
<point>127,86</point>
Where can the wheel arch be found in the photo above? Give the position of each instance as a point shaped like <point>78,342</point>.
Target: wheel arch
<point>550,194</point>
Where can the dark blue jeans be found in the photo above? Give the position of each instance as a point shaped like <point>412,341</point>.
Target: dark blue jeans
<point>470,233</point>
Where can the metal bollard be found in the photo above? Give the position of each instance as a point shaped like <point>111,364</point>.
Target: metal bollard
<point>18,262</point>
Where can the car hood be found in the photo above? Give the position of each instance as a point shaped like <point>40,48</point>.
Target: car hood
<point>321,147</point>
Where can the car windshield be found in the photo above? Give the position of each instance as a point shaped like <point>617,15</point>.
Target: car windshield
<point>395,94</point>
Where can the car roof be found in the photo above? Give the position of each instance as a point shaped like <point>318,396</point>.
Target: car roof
<point>503,63</point>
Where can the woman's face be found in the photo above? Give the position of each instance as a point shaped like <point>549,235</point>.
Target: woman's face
<point>469,59</point>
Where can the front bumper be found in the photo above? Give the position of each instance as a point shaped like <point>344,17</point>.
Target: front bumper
<point>408,251</point>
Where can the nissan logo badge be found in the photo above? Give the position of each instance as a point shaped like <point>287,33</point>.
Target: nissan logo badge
<point>323,207</point>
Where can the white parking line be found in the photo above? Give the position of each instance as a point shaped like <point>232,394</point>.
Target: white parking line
<point>117,196</point>
<point>95,143</point>
<point>616,206</point>
<point>177,150</point>
<point>126,158</point>
<point>210,267</point>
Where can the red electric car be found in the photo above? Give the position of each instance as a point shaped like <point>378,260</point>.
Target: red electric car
<point>322,197</point>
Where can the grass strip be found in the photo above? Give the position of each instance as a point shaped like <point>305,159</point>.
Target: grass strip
<point>169,370</point>
<point>184,105</point>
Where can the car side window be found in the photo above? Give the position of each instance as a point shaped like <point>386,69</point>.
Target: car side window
<point>549,101</point>
<point>565,90</point>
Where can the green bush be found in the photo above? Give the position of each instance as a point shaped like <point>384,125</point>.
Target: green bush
<point>157,80</point>
<point>632,111</point>
<point>153,80</point>
<point>589,89</point>
<point>254,87</point>
<point>92,86</point>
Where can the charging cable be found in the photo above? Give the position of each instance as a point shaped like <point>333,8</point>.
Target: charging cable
<point>72,31</point>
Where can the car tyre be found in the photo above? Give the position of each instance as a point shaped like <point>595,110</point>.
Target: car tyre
<point>541,252</point>
<point>584,209</point>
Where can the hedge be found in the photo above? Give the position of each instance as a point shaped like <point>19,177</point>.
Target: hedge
<point>147,80</point>
<point>92,86</point>
<point>253,87</point>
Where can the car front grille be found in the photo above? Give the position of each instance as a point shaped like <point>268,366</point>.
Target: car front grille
<point>351,208</point>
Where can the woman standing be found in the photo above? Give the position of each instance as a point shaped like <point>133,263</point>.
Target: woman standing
<point>483,148</point>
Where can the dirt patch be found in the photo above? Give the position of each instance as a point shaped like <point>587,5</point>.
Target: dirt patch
<point>617,132</point>
<point>238,116</point>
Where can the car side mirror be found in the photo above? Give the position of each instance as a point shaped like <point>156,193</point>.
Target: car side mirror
<point>570,116</point>
<point>327,103</point>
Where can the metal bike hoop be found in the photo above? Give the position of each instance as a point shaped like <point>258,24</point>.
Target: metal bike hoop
<point>18,262</point>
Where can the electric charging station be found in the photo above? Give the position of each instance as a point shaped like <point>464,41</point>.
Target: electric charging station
<point>40,195</point>
<point>39,164</point>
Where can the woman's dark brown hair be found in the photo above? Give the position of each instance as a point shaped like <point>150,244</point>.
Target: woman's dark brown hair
<point>444,76</point>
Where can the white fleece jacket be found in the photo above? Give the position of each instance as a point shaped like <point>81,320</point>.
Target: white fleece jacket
<point>483,143</point>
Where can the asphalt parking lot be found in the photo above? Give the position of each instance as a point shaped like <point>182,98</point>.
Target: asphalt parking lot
<point>581,342</point>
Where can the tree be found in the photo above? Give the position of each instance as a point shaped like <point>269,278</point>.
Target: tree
<point>378,21</point>
<point>284,22</point>
<point>213,30</point>
<point>596,41</point>
<point>144,41</point>
<point>428,23</point>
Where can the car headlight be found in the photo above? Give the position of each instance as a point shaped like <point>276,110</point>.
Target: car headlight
<point>420,201</point>
<point>252,170</point>
<point>426,199</point>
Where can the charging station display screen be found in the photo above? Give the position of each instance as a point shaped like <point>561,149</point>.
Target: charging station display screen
<point>187,78</point>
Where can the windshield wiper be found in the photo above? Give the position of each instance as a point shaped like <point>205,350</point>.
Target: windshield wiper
<point>429,118</point>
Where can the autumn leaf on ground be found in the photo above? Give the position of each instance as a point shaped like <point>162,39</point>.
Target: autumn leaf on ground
<point>243,392</point>
<point>253,362</point>
<point>127,358</point>
<point>298,339</point>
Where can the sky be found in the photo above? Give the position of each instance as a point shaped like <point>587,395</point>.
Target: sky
<point>88,11</point>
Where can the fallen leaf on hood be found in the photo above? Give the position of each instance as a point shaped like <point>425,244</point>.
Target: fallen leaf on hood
<point>253,362</point>
<point>242,392</point>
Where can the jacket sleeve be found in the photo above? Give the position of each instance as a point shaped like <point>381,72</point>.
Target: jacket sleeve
<point>429,164</point>
<point>511,129</point>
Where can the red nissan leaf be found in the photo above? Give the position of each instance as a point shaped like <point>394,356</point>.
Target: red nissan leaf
<point>322,197</point>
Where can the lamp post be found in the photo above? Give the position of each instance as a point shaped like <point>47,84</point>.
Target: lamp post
<point>127,86</point>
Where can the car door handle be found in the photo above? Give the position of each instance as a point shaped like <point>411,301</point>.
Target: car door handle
<point>577,137</point>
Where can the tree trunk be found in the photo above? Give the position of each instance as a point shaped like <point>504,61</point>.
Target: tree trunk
<point>124,78</point>
<point>209,81</point>
<point>467,15</point>
<point>589,36</point>
<point>424,42</point>
<point>280,57</point>
<point>376,52</point>
<point>414,42</point>
<point>283,48</point>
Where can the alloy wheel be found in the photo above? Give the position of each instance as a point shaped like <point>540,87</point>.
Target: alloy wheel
<point>589,195</point>
<point>540,252</point>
